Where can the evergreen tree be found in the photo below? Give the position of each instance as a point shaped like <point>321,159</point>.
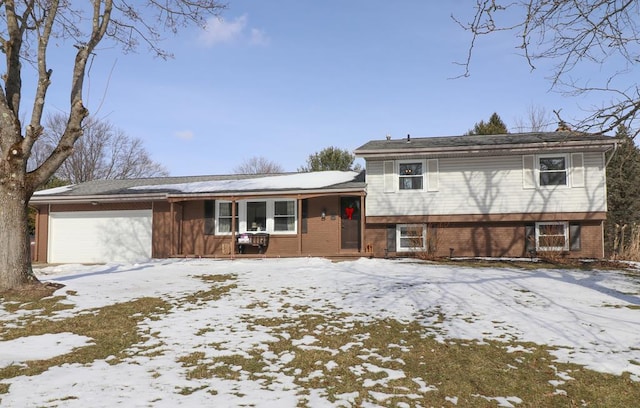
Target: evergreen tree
<point>495,126</point>
<point>331,158</point>
<point>623,192</point>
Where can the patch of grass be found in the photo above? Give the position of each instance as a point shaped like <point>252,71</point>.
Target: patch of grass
<point>390,363</point>
<point>114,329</point>
<point>218,278</point>
<point>214,293</point>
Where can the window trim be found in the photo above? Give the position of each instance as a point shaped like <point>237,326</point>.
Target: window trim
<point>217,216</point>
<point>552,248</point>
<point>539,172</point>
<point>423,175</point>
<point>241,216</point>
<point>399,237</point>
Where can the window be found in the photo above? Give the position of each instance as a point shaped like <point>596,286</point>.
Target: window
<point>411,237</point>
<point>552,236</point>
<point>553,170</point>
<point>256,216</point>
<point>272,216</point>
<point>410,176</point>
<point>284,216</point>
<point>224,217</point>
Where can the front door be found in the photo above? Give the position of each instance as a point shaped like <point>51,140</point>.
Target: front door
<point>350,214</point>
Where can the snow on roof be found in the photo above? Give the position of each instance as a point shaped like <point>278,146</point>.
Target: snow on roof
<point>310,180</point>
<point>55,190</point>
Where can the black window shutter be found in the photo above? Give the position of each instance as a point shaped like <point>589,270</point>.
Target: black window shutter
<point>529,239</point>
<point>209,217</point>
<point>574,237</point>
<point>305,215</point>
<point>391,238</point>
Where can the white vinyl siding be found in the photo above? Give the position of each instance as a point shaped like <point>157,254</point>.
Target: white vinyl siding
<point>486,185</point>
<point>432,175</point>
<point>99,236</point>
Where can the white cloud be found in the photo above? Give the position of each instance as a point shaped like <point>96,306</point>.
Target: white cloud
<point>184,134</point>
<point>258,37</point>
<point>220,31</point>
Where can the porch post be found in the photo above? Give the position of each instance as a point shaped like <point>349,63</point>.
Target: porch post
<point>299,225</point>
<point>233,227</point>
<point>362,222</point>
<point>172,219</point>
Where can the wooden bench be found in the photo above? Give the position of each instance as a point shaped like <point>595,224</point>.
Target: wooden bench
<point>255,239</point>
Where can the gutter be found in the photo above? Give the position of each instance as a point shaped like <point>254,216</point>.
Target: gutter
<point>477,149</point>
<point>83,199</point>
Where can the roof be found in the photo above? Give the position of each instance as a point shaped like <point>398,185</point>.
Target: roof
<point>237,184</point>
<point>488,144</point>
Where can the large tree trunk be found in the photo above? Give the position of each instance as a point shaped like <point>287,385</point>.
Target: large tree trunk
<point>15,245</point>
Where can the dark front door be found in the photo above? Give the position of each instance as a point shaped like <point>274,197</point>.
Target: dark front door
<point>350,223</point>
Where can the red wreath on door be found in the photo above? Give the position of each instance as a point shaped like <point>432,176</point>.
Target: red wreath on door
<point>349,212</point>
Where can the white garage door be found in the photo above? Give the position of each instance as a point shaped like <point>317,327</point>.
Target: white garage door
<point>99,236</point>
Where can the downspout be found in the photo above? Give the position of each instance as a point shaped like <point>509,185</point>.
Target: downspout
<point>615,148</point>
<point>606,195</point>
<point>35,256</point>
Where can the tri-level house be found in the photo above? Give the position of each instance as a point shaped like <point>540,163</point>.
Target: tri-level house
<point>512,195</point>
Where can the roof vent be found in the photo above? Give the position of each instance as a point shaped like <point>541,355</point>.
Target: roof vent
<point>408,138</point>
<point>563,127</point>
<point>388,136</point>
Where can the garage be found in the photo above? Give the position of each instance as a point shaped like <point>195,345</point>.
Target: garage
<point>99,236</point>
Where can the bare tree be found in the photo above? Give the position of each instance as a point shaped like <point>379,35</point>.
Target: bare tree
<point>258,165</point>
<point>26,35</point>
<point>103,152</point>
<point>574,34</point>
<point>537,120</point>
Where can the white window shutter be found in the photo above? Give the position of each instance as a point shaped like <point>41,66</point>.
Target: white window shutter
<point>528,171</point>
<point>577,170</point>
<point>432,175</point>
<point>389,176</point>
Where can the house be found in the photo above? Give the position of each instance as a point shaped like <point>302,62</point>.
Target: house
<point>513,195</point>
<point>510,195</point>
<point>296,214</point>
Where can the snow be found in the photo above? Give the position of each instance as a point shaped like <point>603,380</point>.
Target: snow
<point>309,180</point>
<point>591,317</point>
<point>55,190</point>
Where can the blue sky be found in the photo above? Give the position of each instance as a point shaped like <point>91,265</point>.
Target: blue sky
<point>286,79</point>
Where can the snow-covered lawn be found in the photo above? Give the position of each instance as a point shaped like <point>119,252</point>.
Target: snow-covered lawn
<point>591,317</point>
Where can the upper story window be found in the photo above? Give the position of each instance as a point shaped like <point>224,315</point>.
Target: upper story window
<point>411,176</point>
<point>553,170</point>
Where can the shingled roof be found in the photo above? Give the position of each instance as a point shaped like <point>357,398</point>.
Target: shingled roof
<point>489,144</point>
<point>163,187</point>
